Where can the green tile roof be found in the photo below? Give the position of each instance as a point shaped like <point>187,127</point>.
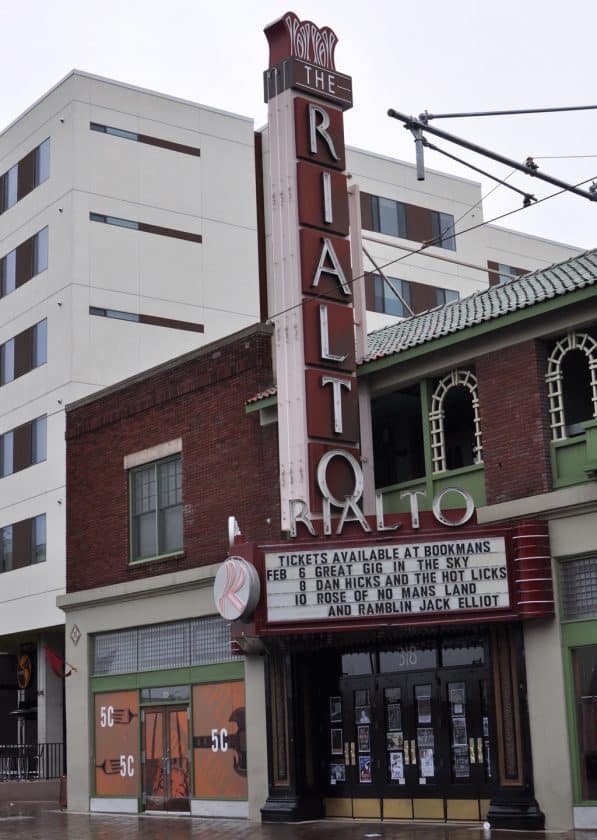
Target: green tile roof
<point>518,293</point>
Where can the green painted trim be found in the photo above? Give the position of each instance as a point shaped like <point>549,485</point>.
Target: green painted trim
<point>499,322</point>
<point>575,634</point>
<point>221,672</point>
<point>266,402</point>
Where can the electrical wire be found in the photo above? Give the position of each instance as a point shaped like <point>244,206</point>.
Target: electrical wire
<point>434,241</point>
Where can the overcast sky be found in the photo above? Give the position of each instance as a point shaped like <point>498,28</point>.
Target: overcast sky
<point>412,56</point>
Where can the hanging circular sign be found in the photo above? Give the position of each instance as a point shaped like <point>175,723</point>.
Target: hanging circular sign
<point>236,589</point>
<point>24,671</point>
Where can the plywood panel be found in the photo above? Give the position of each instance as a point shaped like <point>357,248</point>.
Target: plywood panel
<point>397,809</point>
<point>428,809</point>
<point>366,808</point>
<point>338,807</point>
<point>462,809</point>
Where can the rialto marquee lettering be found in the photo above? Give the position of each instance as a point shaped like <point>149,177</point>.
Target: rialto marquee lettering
<point>348,509</point>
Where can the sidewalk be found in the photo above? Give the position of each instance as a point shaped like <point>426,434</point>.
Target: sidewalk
<point>43,821</point>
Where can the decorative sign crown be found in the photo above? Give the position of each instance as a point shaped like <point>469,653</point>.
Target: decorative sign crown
<point>289,36</point>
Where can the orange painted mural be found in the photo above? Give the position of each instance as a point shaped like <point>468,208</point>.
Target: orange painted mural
<point>220,742</point>
<point>117,743</point>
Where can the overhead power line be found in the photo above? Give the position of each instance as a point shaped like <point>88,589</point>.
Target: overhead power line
<point>425,116</point>
<point>417,127</point>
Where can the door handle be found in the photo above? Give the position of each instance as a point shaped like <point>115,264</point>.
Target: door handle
<point>413,752</point>
<point>406,754</point>
<point>471,749</point>
<point>480,750</point>
<point>346,754</point>
<point>353,754</point>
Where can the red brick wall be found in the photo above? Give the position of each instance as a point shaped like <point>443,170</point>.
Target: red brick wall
<point>230,462</point>
<point>514,421</point>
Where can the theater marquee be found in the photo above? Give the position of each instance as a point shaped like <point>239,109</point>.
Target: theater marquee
<point>391,580</point>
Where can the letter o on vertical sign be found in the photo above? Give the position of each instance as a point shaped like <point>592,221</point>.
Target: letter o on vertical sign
<point>469,504</point>
<point>322,468</point>
<point>236,589</point>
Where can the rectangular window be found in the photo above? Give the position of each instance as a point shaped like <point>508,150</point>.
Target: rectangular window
<point>8,273</point>
<point>42,162</point>
<point>7,361</point>
<point>584,665</point>
<point>6,548</point>
<point>40,343</point>
<point>145,228</point>
<point>39,539</point>
<point>442,227</point>
<point>23,543</point>
<point>40,251</point>
<point>394,299</point>
<point>23,446</point>
<point>39,440</point>
<point>156,509</point>
<point>6,454</point>
<point>24,176</point>
<point>388,216</point>
<point>24,262</point>
<point>398,445</point>
<point>579,588</point>
<point>152,320</point>
<point>10,187</point>
<point>145,138</point>
<point>446,296</point>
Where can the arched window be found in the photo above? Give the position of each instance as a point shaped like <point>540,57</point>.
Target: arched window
<point>572,384</point>
<point>454,420</point>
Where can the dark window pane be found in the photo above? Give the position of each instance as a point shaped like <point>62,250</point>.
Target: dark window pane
<point>40,258</point>
<point>42,162</point>
<point>354,664</point>
<point>7,362</point>
<point>39,539</point>
<point>11,186</point>
<point>454,654</point>
<point>40,344</point>
<point>6,548</point>
<point>585,684</point>
<point>38,442</point>
<point>170,529</point>
<point>388,217</point>
<point>145,536</point>
<point>398,437</point>
<point>9,273</point>
<point>577,392</point>
<point>7,454</point>
<point>459,428</point>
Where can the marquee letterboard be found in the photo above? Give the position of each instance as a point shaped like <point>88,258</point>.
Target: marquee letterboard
<point>320,583</point>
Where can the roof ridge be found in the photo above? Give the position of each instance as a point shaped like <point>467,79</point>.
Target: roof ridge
<point>486,304</point>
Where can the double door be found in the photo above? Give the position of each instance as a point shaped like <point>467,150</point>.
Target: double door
<point>417,735</point>
<point>166,765</point>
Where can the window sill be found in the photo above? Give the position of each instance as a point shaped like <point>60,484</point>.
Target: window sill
<point>472,468</point>
<point>173,555</point>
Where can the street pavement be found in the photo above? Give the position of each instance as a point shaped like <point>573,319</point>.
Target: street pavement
<point>43,821</point>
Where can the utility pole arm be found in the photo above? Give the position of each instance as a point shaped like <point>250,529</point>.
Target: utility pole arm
<point>415,125</point>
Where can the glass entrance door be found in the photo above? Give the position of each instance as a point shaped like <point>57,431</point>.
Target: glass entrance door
<point>413,745</point>
<point>465,695</point>
<point>166,780</point>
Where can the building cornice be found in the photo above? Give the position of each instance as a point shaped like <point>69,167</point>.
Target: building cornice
<point>201,577</point>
